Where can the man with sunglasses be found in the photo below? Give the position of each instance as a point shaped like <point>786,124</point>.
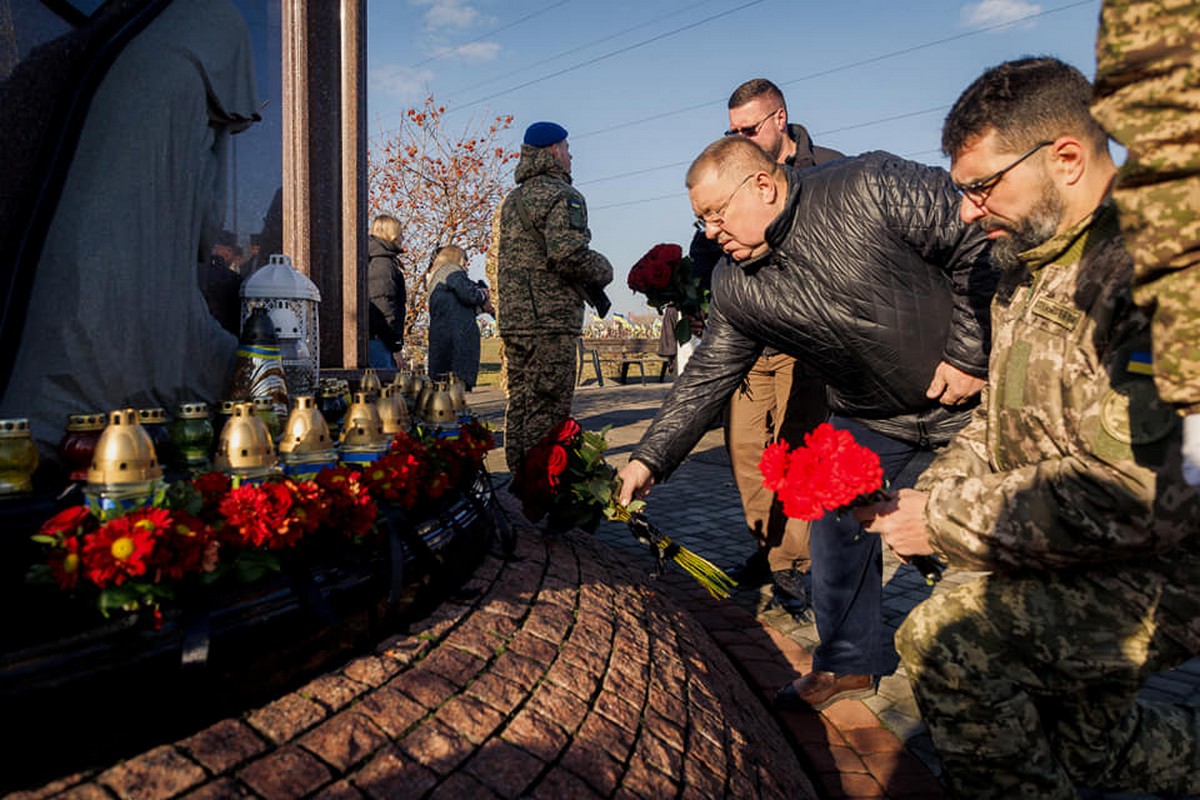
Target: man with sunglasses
<point>779,398</point>
<point>1066,488</point>
<point>862,269</point>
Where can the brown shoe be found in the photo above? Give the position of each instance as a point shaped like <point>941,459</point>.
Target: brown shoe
<point>818,690</point>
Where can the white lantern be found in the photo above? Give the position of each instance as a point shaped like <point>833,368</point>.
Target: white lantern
<point>291,299</point>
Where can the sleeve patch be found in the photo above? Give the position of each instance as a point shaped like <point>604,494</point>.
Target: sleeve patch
<point>576,215</point>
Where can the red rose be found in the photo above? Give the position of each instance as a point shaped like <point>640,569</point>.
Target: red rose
<point>556,464</point>
<point>564,433</point>
<point>653,271</point>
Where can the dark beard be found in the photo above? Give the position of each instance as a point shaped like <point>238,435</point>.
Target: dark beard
<point>1038,227</point>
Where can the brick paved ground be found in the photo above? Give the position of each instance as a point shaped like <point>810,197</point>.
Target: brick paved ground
<point>873,748</point>
<point>571,671</point>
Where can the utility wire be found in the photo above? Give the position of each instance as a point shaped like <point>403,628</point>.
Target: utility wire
<point>851,65</point>
<point>690,7</point>
<point>610,54</point>
<point>855,126</point>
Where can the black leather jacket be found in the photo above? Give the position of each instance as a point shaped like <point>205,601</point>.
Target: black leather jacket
<point>871,279</point>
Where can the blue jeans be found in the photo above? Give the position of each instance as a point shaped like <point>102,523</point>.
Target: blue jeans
<point>378,355</point>
<point>847,570</point>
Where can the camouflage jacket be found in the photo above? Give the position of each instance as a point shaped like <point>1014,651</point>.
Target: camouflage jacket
<point>1147,95</point>
<point>1071,461</point>
<point>539,273</point>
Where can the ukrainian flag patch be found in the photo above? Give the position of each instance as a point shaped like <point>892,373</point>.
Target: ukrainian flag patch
<point>1140,363</point>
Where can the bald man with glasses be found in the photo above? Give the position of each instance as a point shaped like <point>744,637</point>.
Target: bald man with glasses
<point>862,269</point>
<point>779,397</point>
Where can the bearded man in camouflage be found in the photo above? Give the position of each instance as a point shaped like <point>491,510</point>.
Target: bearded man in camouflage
<point>1066,485</point>
<point>544,270</point>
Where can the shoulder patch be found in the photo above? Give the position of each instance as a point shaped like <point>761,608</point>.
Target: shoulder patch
<point>1131,413</point>
<point>576,214</point>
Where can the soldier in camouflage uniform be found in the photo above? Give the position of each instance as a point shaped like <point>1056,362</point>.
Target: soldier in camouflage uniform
<point>1066,486</point>
<point>1148,98</point>
<point>544,268</point>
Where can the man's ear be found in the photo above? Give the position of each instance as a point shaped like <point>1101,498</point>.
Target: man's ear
<point>1069,159</point>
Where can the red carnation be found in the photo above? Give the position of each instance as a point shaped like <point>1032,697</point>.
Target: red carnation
<point>830,472</point>
<point>259,515</point>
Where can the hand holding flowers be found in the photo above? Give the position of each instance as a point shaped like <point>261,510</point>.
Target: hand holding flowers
<point>665,276</point>
<point>832,472</point>
<point>566,480</point>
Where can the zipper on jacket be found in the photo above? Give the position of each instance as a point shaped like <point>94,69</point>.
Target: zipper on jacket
<point>922,435</point>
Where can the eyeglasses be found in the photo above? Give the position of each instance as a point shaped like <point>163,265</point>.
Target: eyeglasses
<point>752,130</point>
<point>717,217</point>
<point>977,191</point>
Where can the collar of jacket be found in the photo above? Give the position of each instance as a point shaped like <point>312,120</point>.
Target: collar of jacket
<point>1070,245</point>
<point>539,161</point>
<point>378,247</point>
<point>803,157</point>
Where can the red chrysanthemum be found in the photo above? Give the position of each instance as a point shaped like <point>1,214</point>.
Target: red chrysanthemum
<point>352,510</point>
<point>117,551</point>
<point>258,515</point>
<point>188,546</point>
<point>213,487</point>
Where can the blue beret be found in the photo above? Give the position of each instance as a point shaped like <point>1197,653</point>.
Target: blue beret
<point>544,134</point>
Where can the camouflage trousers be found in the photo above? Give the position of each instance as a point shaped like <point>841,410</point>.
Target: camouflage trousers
<point>1028,686</point>
<point>541,385</point>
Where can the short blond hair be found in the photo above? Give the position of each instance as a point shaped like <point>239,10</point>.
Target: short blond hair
<point>730,154</point>
<point>386,228</point>
<point>450,254</point>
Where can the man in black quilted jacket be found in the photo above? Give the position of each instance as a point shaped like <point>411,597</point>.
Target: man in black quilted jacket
<point>862,269</point>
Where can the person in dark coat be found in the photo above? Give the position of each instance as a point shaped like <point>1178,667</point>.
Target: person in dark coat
<point>454,302</point>
<point>863,269</point>
<point>385,289</point>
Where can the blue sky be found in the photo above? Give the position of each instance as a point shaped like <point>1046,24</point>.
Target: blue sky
<point>642,86</point>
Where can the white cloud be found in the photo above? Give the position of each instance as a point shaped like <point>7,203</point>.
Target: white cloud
<point>444,14</point>
<point>986,13</point>
<point>405,84</point>
<point>475,51</point>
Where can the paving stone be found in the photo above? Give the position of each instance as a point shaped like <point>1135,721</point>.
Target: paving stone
<point>344,740</point>
<point>470,718</point>
<point>595,766</point>
<point>160,773</point>
<point>436,746</point>
<point>504,768</point>
<point>461,785</point>
<point>220,789</point>
<point>332,692</point>
<point>372,670</point>
<point>536,735</point>
<point>392,711</point>
<point>224,744</point>
<point>390,774</point>
<point>285,773</point>
<point>282,720</point>
<point>424,686</point>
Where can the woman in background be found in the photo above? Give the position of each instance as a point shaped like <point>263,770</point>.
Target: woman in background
<point>385,288</point>
<point>454,302</point>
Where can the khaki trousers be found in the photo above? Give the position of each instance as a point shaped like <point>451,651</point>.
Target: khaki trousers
<point>779,400</point>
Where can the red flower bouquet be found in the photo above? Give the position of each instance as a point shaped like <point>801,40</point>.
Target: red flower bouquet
<point>664,275</point>
<point>210,525</point>
<point>566,480</point>
<point>831,472</point>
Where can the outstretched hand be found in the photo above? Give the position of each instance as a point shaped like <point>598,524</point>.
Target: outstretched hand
<point>636,480</point>
<point>953,387</point>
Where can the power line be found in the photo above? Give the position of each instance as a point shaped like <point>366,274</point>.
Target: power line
<point>851,65</point>
<point>855,126</point>
<point>493,32</point>
<point>689,7</point>
<point>609,55</point>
